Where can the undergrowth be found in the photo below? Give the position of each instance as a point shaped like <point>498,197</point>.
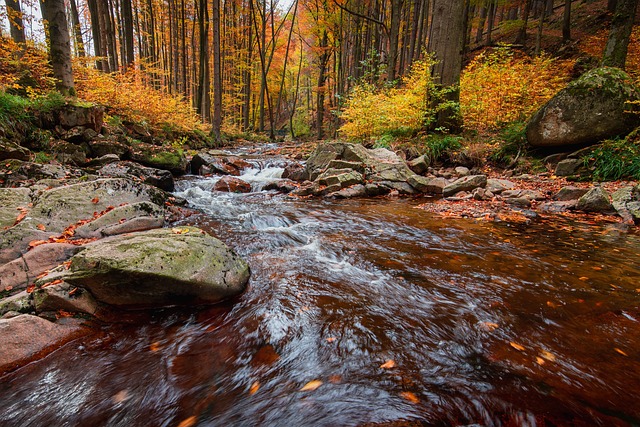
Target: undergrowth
<point>615,159</point>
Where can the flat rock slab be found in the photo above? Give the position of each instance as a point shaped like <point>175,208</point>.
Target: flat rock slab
<point>25,338</point>
<point>10,200</point>
<point>180,266</point>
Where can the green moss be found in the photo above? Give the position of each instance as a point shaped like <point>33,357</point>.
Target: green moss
<point>166,160</point>
<point>608,80</point>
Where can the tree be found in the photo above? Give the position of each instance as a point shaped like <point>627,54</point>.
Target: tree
<point>217,74</point>
<point>77,29</point>
<point>566,21</point>
<point>615,53</point>
<point>15,20</point>
<point>446,41</point>
<point>53,12</point>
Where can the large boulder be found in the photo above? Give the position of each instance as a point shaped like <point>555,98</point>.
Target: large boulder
<point>166,267</point>
<point>590,109</point>
<point>70,116</point>
<point>595,200</point>
<point>626,201</point>
<point>467,183</point>
<point>11,150</point>
<point>160,178</point>
<point>229,184</point>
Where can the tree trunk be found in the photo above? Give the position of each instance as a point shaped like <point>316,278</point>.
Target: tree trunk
<point>127,18</point>
<point>16,25</point>
<point>446,43</point>
<point>522,34</point>
<point>615,53</point>
<point>203,101</point>
<point>566,22</point>
<point>53,11</point>
<point>217,74</point>
<point>96,31</point>
<point>323,61</point>
<point>396,10</point>
<point>77,30</point>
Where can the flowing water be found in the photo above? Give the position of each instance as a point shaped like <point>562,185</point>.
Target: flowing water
<point>486,324</point>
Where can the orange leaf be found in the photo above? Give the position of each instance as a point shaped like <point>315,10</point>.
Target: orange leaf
<point>95,200</point>
<point>411,397</point>
<point>489,326</point>
<point>8,288</point>
<point>389,364</point>
<point>311,385</point>
<point>41,227</point>
<point>31,288</point>
<point>189,422</point>
<point>583,278</point>
<point>154,346</point>
<point>517,346</point>
<point>548,356</point>
<point>331,339</point>
<point>73,291</point>
<point>540,361</point>
<point>621,352</point>
<point>254,388</point>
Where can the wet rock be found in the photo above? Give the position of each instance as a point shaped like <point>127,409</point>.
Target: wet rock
<point>590,109</point>
<point>342,177</point>
<point>626,201</point>
<point>595,200</point>
<point>21,272</point>
<point>399,186</point>
<point>157,268</point>
<point>427,185</point>
<point>519,202</point>
<point>10,200</point>
<point>558,206</point>
<point>350,193</point>
<point>162,179</point>
<point>462,171</point>
<point>467,183</point>
<point>104,146</point>
<point>570,193</point>
<point>420,165</point>
<point>230,184</point>
<point>25,338</point>
<point>140,216</point>
<point>205,164</point>
<point>373,190</point>
<point>283,186</point>
<point>159,157</point>
<point>294,172</point>
<point>497,186</point>
<point>18,303</point>
<point>530,195</point>
<point>306,189</point>
<point>11,150</point>
<point>64,296</point>
<point>568,167</point>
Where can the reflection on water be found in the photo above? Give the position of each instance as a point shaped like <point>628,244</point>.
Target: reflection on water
<point>487,324</point>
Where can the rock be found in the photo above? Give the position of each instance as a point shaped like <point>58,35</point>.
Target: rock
<point>140,216</point>
<point>590,109</point>
<point>10,200</point>
<point>554,159</point>
<point>595,200</point>
<point>283,186</point>
<point>78,135</point>
<point>497,186</point>
<point>420,165</point>
<point>157,268</point>
<point>350,193</point>
<point>568,167</point>
<point>519,202</point>
<point>427,185</point>
<point>570,193</point>
<point>294,172</point>
<point>104,146</point>
<point>341,177</point>
<point>159,158</point>
<point>626,201</point>
<point>64,296</point>
<point>68,153</point>
<point>231,184</point>
<point>529,195</point>
<point>558,206</point>
<point>18,303</point>
<point>481,194</point>
<point>11,150</point>
<point>162,179</point>
<point>90,117</point>
<point>343,164</point>
<point>103,161</point>
<point>373,190</point>
<point>462,171</point>
<point>399,186</point>
<point>213,164</point>
<point>21,272</point>
<point>306,189</point>
<point>27,337</point>
<point>467,183</point>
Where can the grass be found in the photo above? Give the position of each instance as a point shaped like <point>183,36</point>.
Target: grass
<point>616,159</point>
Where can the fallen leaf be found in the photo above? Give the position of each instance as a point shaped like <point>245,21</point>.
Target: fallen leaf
<point>335,379</point>
<point>73,291</point>
<point>41,227</point>
<point>489,326</point>
<point>95,200</point>
<point>180,230</point>
<point>8,288</point>
<point>311,385</point>
<point>583,278</point>
<point>189,422</point>
<point>621,352</point>
<point>120,396</point>
<point>540,361</point>
<point>389,364</point>
<point>155,346</point>
<point>411,397</point>
<point>552,304</point>
<point>331,339</point>
<point>517,346</point>
<point>254,388</point>
<point>31,288</point>
<point>547,355</point>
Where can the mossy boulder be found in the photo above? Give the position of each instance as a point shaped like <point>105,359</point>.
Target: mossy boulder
<point>180,266</point>
<point>164,158</point>
<point>590,109</point>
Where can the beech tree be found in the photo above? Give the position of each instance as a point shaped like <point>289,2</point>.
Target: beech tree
<point>16,25</point>
<point>53,12</point>
<point>615,53</point>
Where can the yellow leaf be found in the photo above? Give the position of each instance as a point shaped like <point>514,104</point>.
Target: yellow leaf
<point>180,230</point>
<point>389,364</point>
<point>254,388</point>
<point>331,339</point>
<point>189,422</point>
<point>540,361</point>
<point>584,278</point>
<point>411,397</point>
<point>489,326</point>
<point>311,385</point>
<point>621,352</point>
<point>548,356</point>
<point>154,346</point>
<point>516,346</point>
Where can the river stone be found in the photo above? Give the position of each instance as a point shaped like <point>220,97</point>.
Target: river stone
<point>157,268</point>
<point>626,201</point>
<point>27,337</point>
<point>420,165</point>
<point>595,200</point>
<point>204,163</point>
<point>19,303</point>
<point>294,172</point>
<point>462,171</point>
<point>497,186</point>
<point>427,185</point>
<point>124,219</point>
<point>467,183</point>
<point>10,200</point>
<point>64,296</point>
<point>231,184</point>
<point>530,195</point>
<point>570,193</point>
<point>590,109</point>
<point>11,150</point>
<point>342,177</point>
<point>568,167</point>
<point>160,178</point>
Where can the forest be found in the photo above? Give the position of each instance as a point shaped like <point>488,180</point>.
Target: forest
<point>373,213</point>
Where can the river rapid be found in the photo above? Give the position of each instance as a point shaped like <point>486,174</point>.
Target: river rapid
<point>388,314</point>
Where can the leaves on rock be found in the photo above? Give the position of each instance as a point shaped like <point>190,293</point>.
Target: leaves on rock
<point>389,364</point>
<point>311,385</point>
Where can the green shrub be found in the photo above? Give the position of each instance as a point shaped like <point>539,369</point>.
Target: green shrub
<point>613,160</point>
<point>511,144</point>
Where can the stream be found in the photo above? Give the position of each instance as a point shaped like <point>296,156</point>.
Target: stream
<point>388,314</point>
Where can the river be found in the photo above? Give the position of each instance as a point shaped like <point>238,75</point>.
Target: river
<point>387,314</point>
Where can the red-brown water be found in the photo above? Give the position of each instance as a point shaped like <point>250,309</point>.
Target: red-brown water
<point>487,324</point>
